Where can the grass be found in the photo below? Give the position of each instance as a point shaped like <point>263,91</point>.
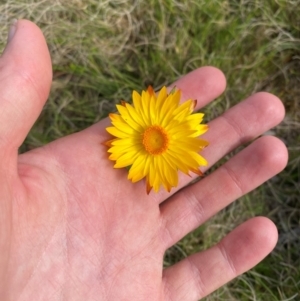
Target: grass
<point>101,50</point>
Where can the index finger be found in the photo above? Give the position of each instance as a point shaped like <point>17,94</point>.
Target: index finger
<point>203,84</point>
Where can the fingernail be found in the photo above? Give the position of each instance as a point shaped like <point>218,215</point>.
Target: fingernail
<point>12,29</point>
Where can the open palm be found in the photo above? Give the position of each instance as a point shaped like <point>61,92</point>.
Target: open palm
<point>74,228</point>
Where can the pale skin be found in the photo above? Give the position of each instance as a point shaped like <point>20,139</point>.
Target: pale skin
<point>74,228</point>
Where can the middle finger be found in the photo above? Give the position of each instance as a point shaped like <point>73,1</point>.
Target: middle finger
<point>241,123</point>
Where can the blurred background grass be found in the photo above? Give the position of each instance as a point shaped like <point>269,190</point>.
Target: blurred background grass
<point>102,50</point>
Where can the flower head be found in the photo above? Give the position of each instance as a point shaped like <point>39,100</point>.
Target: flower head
<point>157,137</point>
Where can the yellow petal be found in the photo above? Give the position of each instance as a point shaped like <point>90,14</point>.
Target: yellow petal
<point>117,133</point>
<point>136,99</point>
<point>125,160</point>
<point>136,172</point>
<point>162,95</point>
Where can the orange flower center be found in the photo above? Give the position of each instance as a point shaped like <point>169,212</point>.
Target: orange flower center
<point>155,140</point>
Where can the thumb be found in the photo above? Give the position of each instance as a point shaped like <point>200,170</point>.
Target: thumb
<point>25,79</point>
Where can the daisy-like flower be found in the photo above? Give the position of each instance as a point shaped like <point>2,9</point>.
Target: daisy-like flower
<point>156,137</point>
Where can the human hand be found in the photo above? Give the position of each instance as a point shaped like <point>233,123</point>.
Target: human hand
<point>74,228</point>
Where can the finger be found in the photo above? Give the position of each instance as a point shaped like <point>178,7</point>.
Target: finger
<point>25,78</point>
<point>200,274</point>
<point>240,124</point>
<point>203,84</point>
<point>248,169</point>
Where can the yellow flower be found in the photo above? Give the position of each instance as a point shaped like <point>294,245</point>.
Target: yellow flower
<point>157,137</point>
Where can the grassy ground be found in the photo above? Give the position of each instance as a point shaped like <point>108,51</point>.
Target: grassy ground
<point>101,50</point>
